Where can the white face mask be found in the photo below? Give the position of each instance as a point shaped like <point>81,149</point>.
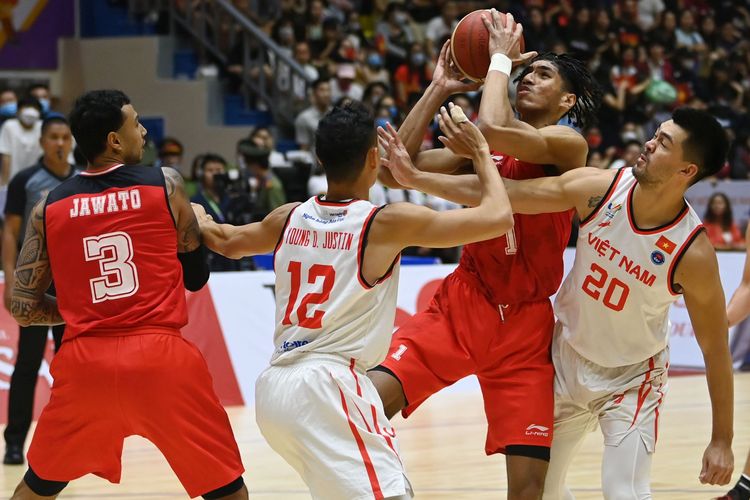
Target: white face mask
<point>29,116</point>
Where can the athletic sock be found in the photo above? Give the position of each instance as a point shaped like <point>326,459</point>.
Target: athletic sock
<point>741,490</point>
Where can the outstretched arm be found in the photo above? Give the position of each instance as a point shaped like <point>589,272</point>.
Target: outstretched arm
<point>29,304</point>
<point>550,145</point>
<point>240,241</point>
<point>698,276</point>
<point>739,305</point>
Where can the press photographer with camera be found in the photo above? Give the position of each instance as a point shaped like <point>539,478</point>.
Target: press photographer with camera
<point>266,189</point>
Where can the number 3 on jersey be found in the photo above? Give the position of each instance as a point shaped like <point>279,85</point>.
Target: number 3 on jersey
<point>316,271</point>
<point>118,277</point>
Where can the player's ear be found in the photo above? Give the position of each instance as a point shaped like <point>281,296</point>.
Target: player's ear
<point>689,172</point>
<point>113,142</point>
<point>373,158</point>
<point>568,100</point>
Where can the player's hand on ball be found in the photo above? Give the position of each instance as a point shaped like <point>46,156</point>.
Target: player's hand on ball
<point>448,77</point>
<point>505,37</point>
<point>718,464</point>
<point>396,158</point>
<point>200,213</point>
<point>461,136</point>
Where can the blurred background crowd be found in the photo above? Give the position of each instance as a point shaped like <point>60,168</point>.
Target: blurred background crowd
<point>649,57</point>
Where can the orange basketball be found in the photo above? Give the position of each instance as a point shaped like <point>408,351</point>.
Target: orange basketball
<point>469,45</point>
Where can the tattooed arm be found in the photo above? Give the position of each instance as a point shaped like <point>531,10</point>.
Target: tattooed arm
<point>580,188</point>
<point>189,235</point>
<point>190,251</point>
<point>29,304</point>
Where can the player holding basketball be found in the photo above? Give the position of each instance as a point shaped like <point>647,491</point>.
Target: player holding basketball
<point>336,260</point>
<point>639,248</point>
<point>505,336</point>
<point>120,241</point>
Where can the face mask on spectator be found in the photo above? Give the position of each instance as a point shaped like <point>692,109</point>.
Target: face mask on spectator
<point>418,59</point>
<point>375,61</point>
<point>382,122</point>
<point>9,109</point>
<point>286,32</point>
<point>29,116</point>
<point>45,105</point>
<point>393,110</point>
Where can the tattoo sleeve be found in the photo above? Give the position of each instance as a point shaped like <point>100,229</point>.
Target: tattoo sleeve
<point>188,230</point>
<point>29,303</point>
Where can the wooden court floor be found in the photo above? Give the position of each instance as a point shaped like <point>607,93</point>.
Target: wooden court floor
<point>442,445</point>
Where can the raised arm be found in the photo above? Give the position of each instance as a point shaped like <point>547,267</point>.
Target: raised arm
<point>240,241</point>
<point>402,225</point>
<point>190,252</point>
<point>29,303</point>
<point>551,145</point>
<point>739,305</point>
<point>698,276</point>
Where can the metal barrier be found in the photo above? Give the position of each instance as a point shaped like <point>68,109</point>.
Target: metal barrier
<point>266,71</point>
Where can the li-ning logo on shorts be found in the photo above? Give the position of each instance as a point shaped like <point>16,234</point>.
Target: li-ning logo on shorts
<point>537,430</point>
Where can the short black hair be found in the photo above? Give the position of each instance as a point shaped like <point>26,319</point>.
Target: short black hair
<point>211,158</point>
<point>35,86</point>
<point>29,102</point>
<point>344,136</point>
<point>54,120</point>
<point>706,144</point>
<point>94,116</point>
<point>579,81</point>
<point>320,81</point>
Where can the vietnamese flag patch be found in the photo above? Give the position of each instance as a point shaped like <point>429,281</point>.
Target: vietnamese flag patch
<point>666,244</point>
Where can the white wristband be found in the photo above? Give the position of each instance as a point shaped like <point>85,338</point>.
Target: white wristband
<point>501,63</point>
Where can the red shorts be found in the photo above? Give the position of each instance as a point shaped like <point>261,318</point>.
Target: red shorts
<point>153,385</point>
<point>461,334</point>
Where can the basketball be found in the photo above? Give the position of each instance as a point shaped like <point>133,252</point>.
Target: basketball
<point>469,45</point>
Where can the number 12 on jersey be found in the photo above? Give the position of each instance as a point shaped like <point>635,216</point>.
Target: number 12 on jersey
<point>594,283</point>
<point>315,272</point>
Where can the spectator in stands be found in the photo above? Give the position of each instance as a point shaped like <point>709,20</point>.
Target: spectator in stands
<point>307,122</point>
<point>578,34</point>
<point>344,85</point>
<point>40,92</point>
<point>303,57</point>
<point>395,35</point>
<point>632,150</point>
<point>666,32</point>
<point>212,196</point>
<point>262,137</point>
<point>373,71</point>
<point>267,191</point>
<point>8,104</point>
<point>649,13</point>
<point>720,226</point>
<point>687,34</point>
<point>314,27</point>
<point>536,33</point>
<point>630,33</point>
<point>413,76</point>
<point>386,111</point>
<point>25,190</point>
<point>439,28</point>
<point>373,93</point>
<point>171,153</point>
<point>19,139</point>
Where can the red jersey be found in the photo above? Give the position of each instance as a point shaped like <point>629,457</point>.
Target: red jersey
<point>526,264</point>
<point>112,245</point>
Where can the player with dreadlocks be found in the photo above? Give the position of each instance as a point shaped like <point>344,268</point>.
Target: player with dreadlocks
<point>492,317</point>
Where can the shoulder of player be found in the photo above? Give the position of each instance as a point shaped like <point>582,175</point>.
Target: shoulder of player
<point>278,217</point>
<point>173,180</point>
<point>566,143</point>
<point>698,262</point>
<point>20,180</point>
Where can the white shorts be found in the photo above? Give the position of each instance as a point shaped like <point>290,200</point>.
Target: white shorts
<point>326,420</point>
<point>622,400</point>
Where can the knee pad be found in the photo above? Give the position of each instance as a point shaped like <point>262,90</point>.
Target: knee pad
<point>43,487</point>
<point>225,490</point>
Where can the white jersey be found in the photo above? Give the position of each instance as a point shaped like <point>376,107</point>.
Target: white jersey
<point>323,303</point>
<point>614,304</point>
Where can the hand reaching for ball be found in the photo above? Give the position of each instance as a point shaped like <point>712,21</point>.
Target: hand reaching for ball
<point>396,158</point>
<point>505,37</point>
<point>461,136</point>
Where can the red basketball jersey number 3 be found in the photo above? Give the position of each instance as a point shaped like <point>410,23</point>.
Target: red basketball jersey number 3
<point>118,276</point>
<point>317,298</point>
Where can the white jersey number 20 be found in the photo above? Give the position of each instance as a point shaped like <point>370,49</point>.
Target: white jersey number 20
<point>118,277</point>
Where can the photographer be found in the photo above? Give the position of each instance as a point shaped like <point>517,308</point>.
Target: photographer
<point>211,176</point>
<point>267,191</point>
